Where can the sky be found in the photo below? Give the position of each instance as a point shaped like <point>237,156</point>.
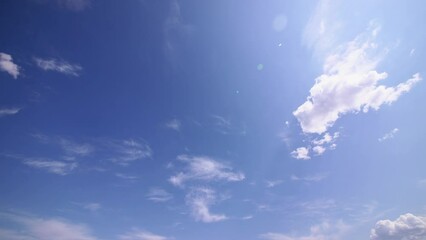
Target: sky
<point>188,120</point>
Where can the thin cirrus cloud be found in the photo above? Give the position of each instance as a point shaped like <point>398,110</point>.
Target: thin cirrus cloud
<point>406,227</point>
<point>310,178</point>
<point>7,65</point>
<point>349,84</point>
<point>159,195</point>
<point>31,228</point>
<point>204,169</point>
<point>9,111</point>
<point>56,167</point>
<point>128,151</point>
<point>174,124</point>
<point>199,200</point>
<point>60,66</point>
<point>141,235</point>
<point>326,230</point>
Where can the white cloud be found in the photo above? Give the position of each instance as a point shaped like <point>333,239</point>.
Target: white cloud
<point>59,66</point>
<point>200,200</point>
<point>141,235</point>
<point>324,231</point>
<point>56,167</point>
<point>7,65</point>
<point>74,148</point>
<point>174,124</point>
<point>349,84</point>
<point>412,52</point>
<point>405,227</point>
<point>128,151</point>
<point>312,178</point>
<point>206,169</point>
<point>32,228</point>
<point>159,195</point>
<point>301,153</point>
<point>389,135</point>
<point>8,111</point>
<point>319,150</point>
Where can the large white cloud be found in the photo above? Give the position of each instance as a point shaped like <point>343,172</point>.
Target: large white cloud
<point>405,227</point>
<point>7,65</point>
<point>349,84</point>
<point>206,169</point>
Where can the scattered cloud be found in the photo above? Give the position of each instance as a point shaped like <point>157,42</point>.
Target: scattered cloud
<point>32,228</point>
<point>412,52</point>
<point>206,169</point>
<point>56,167</point>
<point>312,178</point>
<point>301,153</point>
<point>74,148</point>
<point>389,135</point>
<point>405,227</point>
<point>174,124</point>
<point>72,5</point>
<point>141,235</point>
<point>200,200</point>
<point>60,66</point>
<point>279,23</point>
<point>8,111</point>
<point>318,150</point>
<point>7,65</point>
<point>349,84</point>
<point>159,195</point>
<point>324,231</point>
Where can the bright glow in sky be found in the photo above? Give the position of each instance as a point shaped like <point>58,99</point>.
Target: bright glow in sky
<point>185,119</point>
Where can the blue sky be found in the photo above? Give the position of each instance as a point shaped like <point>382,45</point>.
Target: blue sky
<point>181,119</point>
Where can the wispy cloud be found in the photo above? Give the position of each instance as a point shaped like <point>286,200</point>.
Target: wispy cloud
<point>349,84</point>
<point>72,5</point>
<point>206,169</point>
<point>32,228</point>
<point>159,195</point>
<point>7,65</point>
<point>407,226</point>
<point>174,124</point>
<point>8,111</point>
<point>271,184</point>
<point>56,167</point>
<point>127,151</point>
<point>141,235</point>
<point>312,178</point>
<point>92,206</point>
<point>60,66</point>
<point>126,176</point>
<point>389,135</point>
<point>73,148</point>
<point>326,230</point>
<point>200,200</point>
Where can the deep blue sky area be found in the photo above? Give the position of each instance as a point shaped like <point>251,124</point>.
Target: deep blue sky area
<point>185,119</point>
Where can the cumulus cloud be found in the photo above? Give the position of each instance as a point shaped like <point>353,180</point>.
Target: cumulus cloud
<point>7,65</point>
<point>174,124</point>
<point>349,84</point>
<point>8,111</point>
<point>405,227</point>
<point>324,231</point>
<point>141,235</point>
<point>32,228</point>
<point>205,169</point>
<point>389,135</point>
<point>199,200</point>
<point>56,167</point>
<point>159,195</point>
<point>60,66</point>
<point>301,153</point>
